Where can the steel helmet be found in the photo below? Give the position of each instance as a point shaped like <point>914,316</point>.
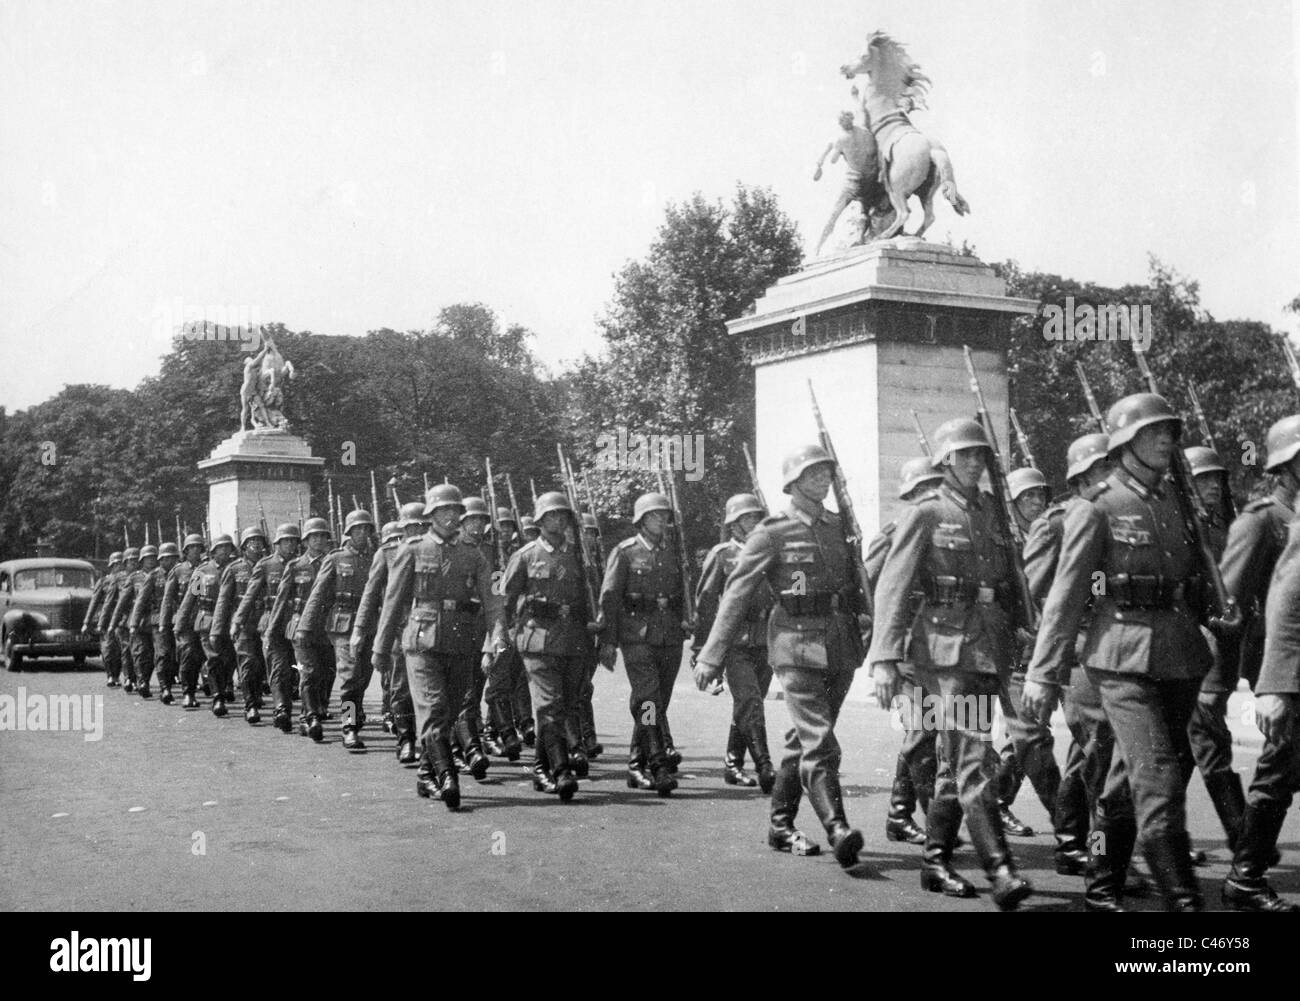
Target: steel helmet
<point>287,531</point>
<point>647,503</point>
<point>526,524</point>
<point>412,513</point>
<point>1130,415</point>
<point>956,434</point>
<point>800,459</point>
<point>552,500</point>
<point>114,558</point>
<point>315,526</point>
<point>1283,442</point>
<point>1024,478</point>
<point>506,517</point>
<point>168,549</point>
<point>193,539</point>
<point>741,504</point>
<point>589,521</point>
<point>1086,452</point>
<point>250,533</point>
<point>443,495</point>
<point>475,508</point>
<point>130,553</point>
<point>1204,460</point>
<point>914,473</point>
<point>221,540</point>
<point>148,551</point>
<point>358,517</point>
<point>391,530</point>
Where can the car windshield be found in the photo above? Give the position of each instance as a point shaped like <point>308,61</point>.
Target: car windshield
<point>30,580</point>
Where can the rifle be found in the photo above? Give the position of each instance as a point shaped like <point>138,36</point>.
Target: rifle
<point>329,484</point>
<point>496,526</point>
<point>591,506</point>
<point>848,517</point>
<point>300,518</point>
<point>1291,361</point>
<point>397,502</point>
<point>262,511</point>
<point>1193,512</point>
<point>374,498</point>
<point>179,538</point>
<point>1092,400</point>
<point>514,506</point>
<point>146,531</point>
<point>533,487</point>
<point>1022,440</point>
<point>1207,438</point>
<point>753,476</point>
<point>1007,526</point>
<point>580,542</point>
<point>158,523</point>
<point>683,558</point>
<point>920,435</point>
<point>355,505</point>
<point>426,484</point>
<point>126,537</point>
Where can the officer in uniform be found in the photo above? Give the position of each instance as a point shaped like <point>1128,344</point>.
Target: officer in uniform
<point>641,611</point>
<point>438,586</point>
<point>100,600</point>
<point>493,743</point>
<point>251,622</point>
<point>960,642</point>
<point>914,770</point>
<point>1028,751</point>
<point>745,666</point>
<point>586,710</point>
<point>290,600</point>
<point>325,629</point>
<point>411,524</point>
<point>510,719</point>
<point>1143,650</point>
<point>148,613</point>
<point>466,740</point>
<point>389,535</point>
<point>248,645</point>
<point>189,653</point>
<point>814,645</point>
<point>123,597</point>
<point>545,595</point>
<point>140,619</point>
<point>198,607</point>
<point>1270,661</point>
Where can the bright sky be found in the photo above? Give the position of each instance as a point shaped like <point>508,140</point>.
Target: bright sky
<point>341,167</point>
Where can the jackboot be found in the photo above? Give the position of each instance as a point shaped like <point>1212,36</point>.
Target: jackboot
<point>756,736</point>
<point>591,745</point>
<point>1012,825</point>
<point>1246,888</point>
<point>1229,802</point>
<point>899,825</point>
<point>499,712</point>
<point>733,762</point>
<point>937,874</point>
<point>445,771</point>
<point>985,826</point>
<point>637,776</point>
<point>573,743</point>
<point>557,753</point>
<point>475,760</point>
<point>426,783</point>
<point>1169,858</point>
<point>1107,869</point>
<point>657,760</point>
<point>782,835</point>
<point>542,781</point>
<point>406,748</point>
<point>825,796</point>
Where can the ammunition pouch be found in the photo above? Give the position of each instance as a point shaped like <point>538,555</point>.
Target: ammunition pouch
<point>823,603</point>
<point>538,606</point>
<point>1152,592</point>
<point>637,603</point>
<point>945,591</point>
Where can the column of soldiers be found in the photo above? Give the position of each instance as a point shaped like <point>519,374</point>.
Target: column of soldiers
<point>1143,683</point>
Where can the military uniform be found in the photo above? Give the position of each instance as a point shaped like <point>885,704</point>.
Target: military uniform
<point>141,623</point>
<point>313,661</point>
<point>437,586</point>
<point>164,641</point>
<point>545,595</point>
<point>101,598</point>
<point>252,618</point>
<point>467,730</point>
<point>587,691</point>
<point>327,618</point>
<point>231,589</point>
<point>189,653</point>
<point>391,663</point>
<point>1145,654</point>
<point>198,607</point>
<point>123,595</point>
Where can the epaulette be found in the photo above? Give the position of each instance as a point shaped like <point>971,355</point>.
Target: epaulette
<point>720,547</point>
<point>776,519</point>
<point>627,543</point>
<point>390,544</point>
<point>930,495</point>
<point>1096,490</point>
<point>1259,504</point>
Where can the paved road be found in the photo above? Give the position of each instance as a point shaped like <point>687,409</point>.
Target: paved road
<point>177,810</point>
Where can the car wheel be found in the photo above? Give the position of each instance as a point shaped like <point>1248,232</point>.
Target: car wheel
<point>13,661</point>
<point>79,660</point>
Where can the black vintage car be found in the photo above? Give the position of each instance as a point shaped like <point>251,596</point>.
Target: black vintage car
<point>42,605</point>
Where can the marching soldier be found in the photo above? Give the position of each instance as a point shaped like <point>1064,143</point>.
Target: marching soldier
<point>528,529</point>
<point>141,618</point>
<point>545,595</point>
<point>389,535</point>
<point>466,736</point>
<point>961,644</point>
<point>493,743</point>
<point>121,610</point>
<point>231,589</point>
<point>1143,650</point>
<point>914,771</point>
<point>586,710</point>
<point>286,614</point>
<point>1028,752</point>
<point>1269,661</point>
<point>411,524</point>
<point>438,586</point>
<point>745,665</point>
<point>149,611</point>
<point>325,628</point>
<point>252,618</point>
<point>198,608</point>
<point>101,599</point>
<point>510,710</point>
<point>814,645</point>
<point>189,652</point>
<point>641,611</point>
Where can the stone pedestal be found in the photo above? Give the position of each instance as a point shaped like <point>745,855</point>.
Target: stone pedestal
<point>251,472</point>
<point>879,331</point>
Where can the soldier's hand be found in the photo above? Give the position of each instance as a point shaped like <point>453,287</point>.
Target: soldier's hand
<point>1275,717</point>
<point>354,646</point>
<point>688,626</point>
<point>1216,702</point>
<point>1039,700</point>
<point>607,656</point>
<point>486,661</point>
<point>708,678</point>
<point>886,676</point>
<point>1026,637</point>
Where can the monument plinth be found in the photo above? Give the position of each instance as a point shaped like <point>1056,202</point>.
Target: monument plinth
<point>879,330</point>
<point>263,470</point>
